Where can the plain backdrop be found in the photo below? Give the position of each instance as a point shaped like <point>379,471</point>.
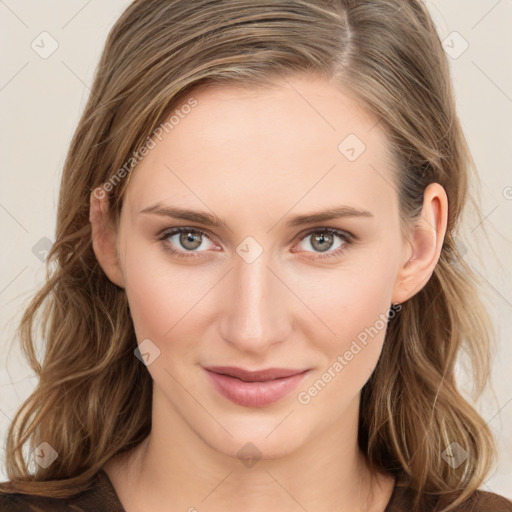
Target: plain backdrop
<point>49,53</point>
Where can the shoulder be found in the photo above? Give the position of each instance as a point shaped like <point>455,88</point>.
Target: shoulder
<point>24,503</point>
<point>403,498</point>
<point>483,501</point>
<point>29,503</point>
<point>100,496</point>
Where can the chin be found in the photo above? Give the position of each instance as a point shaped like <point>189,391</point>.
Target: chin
<point>269,438</point>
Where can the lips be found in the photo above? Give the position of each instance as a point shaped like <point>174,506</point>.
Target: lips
<point>254,388</point>
<point>254,376</point>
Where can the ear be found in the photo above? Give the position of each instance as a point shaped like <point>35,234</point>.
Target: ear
<point>104,236</point>
<point>426,241</point>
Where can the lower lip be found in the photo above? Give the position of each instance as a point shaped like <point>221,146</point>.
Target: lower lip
<point>254,394</point>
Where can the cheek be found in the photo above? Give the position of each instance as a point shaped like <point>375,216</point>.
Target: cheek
<point>357,314</point>
<point>353,302</point>
<point>352,297</point>
<point>165,298</point>
<point>156,294</point>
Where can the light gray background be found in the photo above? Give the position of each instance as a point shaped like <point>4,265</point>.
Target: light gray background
<point>41,100</point>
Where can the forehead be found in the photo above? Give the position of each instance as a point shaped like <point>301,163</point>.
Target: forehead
<point>278,117</point>
<point>301,139</point>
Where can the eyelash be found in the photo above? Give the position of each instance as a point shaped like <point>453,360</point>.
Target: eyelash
<point>346,237</point>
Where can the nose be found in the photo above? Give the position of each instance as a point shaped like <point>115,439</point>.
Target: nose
<point>256,311</point>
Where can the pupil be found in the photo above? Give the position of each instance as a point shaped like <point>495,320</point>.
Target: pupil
<point>323,238</point>
<point>190,238</point>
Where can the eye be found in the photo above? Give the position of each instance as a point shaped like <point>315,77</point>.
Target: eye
<point>188,241</point>
<point>323,240</point>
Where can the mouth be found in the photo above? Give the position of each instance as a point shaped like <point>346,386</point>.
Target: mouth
<point>254,388</point>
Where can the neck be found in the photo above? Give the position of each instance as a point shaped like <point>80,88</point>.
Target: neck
<point>173,466</point>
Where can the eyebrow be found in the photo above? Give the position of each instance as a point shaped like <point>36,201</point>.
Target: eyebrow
<point>212,221</point>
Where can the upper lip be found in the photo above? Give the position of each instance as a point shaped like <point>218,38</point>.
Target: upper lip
<point>254,376</point>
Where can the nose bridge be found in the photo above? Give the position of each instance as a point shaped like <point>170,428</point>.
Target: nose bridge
<point>256,315</point>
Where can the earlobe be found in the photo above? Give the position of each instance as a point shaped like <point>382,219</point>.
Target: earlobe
<point>104,236</point>
<point>426,242</point>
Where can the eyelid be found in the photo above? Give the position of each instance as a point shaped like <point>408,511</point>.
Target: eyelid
<point>347,237</point>
<point>328,229</point>
<point>168,232</point>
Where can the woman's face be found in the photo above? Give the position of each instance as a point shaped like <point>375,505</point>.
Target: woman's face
<point>262,289</point>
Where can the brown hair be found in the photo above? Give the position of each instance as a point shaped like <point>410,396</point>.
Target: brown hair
<point>93,398</point>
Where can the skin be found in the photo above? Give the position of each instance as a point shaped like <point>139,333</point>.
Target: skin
<point>255,157</point>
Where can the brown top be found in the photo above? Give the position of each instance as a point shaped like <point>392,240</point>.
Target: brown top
<point>101,497</point>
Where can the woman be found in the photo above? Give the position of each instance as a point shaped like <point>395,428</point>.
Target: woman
<point>256,299</point>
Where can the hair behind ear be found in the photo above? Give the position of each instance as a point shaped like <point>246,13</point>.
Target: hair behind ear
<point>411,409</point>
